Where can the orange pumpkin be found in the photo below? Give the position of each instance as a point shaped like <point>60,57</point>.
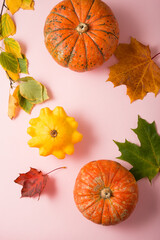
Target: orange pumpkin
<point>81,34</point>
<point>105,192</point>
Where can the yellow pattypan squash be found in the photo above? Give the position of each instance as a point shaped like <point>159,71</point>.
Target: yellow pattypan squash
<point>53,132</point>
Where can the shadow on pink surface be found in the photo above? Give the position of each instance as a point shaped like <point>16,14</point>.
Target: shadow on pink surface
<point>50,190</point>
<point>23,46</point>
<point>82,149</point>
<point>146,208</point>
<point>129,27</point>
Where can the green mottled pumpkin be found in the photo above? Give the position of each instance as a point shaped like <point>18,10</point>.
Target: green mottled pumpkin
<point>105,192</point>
<point>81,34</point>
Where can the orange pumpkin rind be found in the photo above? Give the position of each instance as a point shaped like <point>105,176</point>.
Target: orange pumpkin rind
<point>105,192</point>
<point>78,36</point>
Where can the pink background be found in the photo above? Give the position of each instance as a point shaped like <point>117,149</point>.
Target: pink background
<point>104,114</point>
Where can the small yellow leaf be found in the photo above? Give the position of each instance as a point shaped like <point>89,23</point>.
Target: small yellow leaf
<point>13,5</point>
<point>7,26</point>
<point>15,93</point>
<point>9,62</point>
<point>23,64</point>
<point>12,46</point>
<point>27,4</point>
<point>13,76</point>
<point>12,106</point>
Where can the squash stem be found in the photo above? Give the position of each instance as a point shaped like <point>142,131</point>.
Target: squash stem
<point>53,133</point>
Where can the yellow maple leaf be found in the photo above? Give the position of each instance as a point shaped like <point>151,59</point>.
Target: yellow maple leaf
<point>13,5</point>
<point>135,69</point>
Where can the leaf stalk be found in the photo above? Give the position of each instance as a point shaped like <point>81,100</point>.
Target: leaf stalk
<point>54,170</point>
<point>155,55</point>
<point>11,80</point>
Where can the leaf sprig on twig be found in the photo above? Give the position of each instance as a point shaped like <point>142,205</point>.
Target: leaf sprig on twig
<point>26,91</point>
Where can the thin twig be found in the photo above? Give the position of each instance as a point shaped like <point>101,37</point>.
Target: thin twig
<point>3,5</point>
<point>11,80</point>
<point>6,6</point>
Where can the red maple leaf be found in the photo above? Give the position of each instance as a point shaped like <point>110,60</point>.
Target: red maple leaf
<point>33,182</point>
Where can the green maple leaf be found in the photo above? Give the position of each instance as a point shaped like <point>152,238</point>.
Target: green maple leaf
<point>145,158</point>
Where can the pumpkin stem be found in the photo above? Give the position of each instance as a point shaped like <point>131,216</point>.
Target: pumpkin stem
<point>82,28</point>
<point>106,193</point>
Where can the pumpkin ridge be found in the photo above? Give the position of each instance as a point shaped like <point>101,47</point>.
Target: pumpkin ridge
<point>111,180</point>
<point>128,213</point>
<point>106,205</point>
<point>96,46</point>
<point>85,53</point>
<point>74,10</point>
<point>80,10</point>
<point>86,200</point>
<point>63,17</point>
<point>88,195</point>
<point>61,42</point>
<point>109,28</point>
<point>125,192</point>
<point>111,203</point>
<point>112,186</point>
<point>102,210</point>
<point>93,179</point>
<point>80,180</point>
<point>71,55</point>
<point>95,202</point>
<point>118,198</point>
<point>108,15</point>
<point>68,8</point>
<point>91,216</point>
<point>106,32</point>
<point>101,173</point>
<point>89,10</point>
<point>90,189</point>
<point>46,34</point>
<point>98,37</point>
<point>59,29</point>
<point>110,218</point>
<point>92,211</point>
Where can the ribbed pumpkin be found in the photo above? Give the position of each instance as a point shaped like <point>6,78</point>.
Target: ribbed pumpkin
<point>105,192</point>
<point>81,34</point>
